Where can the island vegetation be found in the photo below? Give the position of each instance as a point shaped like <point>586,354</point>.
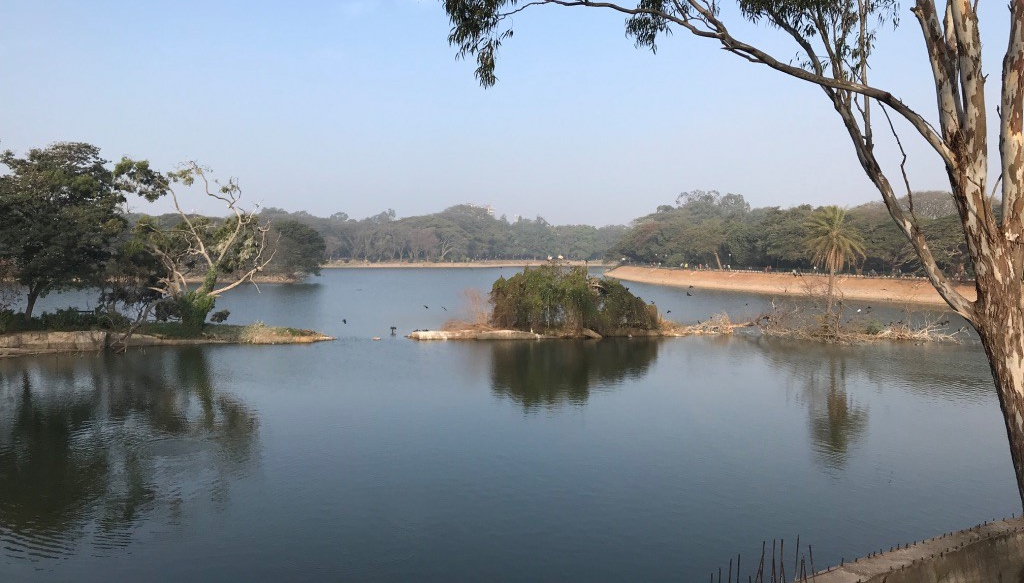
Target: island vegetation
<point>567,301</point>
<point>66,227</point>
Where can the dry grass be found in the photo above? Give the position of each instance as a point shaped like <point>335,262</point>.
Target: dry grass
<point>716,325</point>
<point>791,321</point>
<point>475,313</point>
<point>260,333</point>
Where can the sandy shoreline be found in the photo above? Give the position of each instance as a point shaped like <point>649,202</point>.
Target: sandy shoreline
<point>898,291</point>
<point>463,265</point>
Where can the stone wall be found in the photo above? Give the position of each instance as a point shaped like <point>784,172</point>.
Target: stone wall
<point>989,552</point>
<point>46,342</point>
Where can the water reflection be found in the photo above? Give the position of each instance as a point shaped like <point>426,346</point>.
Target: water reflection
<point>549,373</point>
<point>835,419</point>
<point>89,447</point>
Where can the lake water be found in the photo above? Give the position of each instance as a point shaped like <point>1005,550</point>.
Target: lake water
<point>392,460</point>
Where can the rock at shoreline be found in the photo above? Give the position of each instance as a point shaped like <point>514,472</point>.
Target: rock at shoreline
<point>473,335</point>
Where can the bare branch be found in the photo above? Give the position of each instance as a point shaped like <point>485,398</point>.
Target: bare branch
<point>903,165</point>
<point>753,54</point>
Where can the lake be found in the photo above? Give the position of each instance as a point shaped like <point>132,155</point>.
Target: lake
<point>392,460</point>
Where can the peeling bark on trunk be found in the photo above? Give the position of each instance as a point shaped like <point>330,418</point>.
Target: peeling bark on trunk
<point>1002,337</point>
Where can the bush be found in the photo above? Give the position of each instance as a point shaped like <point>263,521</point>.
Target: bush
<point>556,298</point>
<point>219,317</point>
<point>66,320</point>
<point>10,321</point>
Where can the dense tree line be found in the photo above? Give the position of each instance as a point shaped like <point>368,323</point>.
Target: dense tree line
<point>460,233</point>
<point>706,227</point>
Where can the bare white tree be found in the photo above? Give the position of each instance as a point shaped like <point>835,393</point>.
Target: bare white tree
<point>199,249</point>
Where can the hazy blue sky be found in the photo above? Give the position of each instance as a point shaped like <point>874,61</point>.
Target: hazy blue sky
<point>360,105</point>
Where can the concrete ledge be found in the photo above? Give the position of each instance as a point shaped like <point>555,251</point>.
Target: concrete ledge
<point>42,342</point>
<point>988,552</point>
<point>29,343</point>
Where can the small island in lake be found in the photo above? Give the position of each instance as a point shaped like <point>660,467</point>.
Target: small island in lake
<point>561,301</point>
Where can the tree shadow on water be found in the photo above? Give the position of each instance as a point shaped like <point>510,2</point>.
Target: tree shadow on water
<point>552,373</point>
<point>93,448</point>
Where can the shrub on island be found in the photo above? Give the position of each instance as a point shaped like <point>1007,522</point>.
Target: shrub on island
<point>557,299</point>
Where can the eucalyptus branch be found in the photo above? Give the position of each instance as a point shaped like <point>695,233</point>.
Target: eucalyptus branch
<point>756,55</point>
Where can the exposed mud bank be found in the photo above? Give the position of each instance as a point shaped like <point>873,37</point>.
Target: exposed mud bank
<point>898,291</point>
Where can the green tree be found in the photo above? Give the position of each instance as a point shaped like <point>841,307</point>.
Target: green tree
<point>554,298</point>
<point>832,244</point>
<point>835,41</point>
<point>298,249</point>
<point>61,211</point>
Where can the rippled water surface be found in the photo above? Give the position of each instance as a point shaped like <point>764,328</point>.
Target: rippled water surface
<point>509,461</point>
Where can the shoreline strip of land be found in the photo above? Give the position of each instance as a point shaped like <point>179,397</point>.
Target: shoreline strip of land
<point>458,265</point>
<point>34,343</point>
<point>890,290</point>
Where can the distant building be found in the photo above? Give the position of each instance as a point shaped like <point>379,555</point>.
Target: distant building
<point>486,207</point>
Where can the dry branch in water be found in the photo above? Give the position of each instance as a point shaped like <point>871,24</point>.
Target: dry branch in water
<point>789,320</point>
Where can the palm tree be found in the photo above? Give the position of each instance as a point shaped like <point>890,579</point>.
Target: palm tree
<point>832,244</point>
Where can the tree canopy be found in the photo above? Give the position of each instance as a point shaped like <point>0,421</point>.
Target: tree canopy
<point>61,213</point>
<point>559,299</point>
<point>463,232</point>
<point>298,249</point>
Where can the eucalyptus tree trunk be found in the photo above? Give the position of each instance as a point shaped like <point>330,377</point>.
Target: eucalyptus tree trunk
<point>999,321</point>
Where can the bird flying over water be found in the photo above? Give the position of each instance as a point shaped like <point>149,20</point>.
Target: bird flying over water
<point>689,294</point>
<point>344,321</point>
<point>444,308</point>
<point>426,307</point>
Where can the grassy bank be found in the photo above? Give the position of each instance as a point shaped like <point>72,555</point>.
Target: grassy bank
<point>258,333</point>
